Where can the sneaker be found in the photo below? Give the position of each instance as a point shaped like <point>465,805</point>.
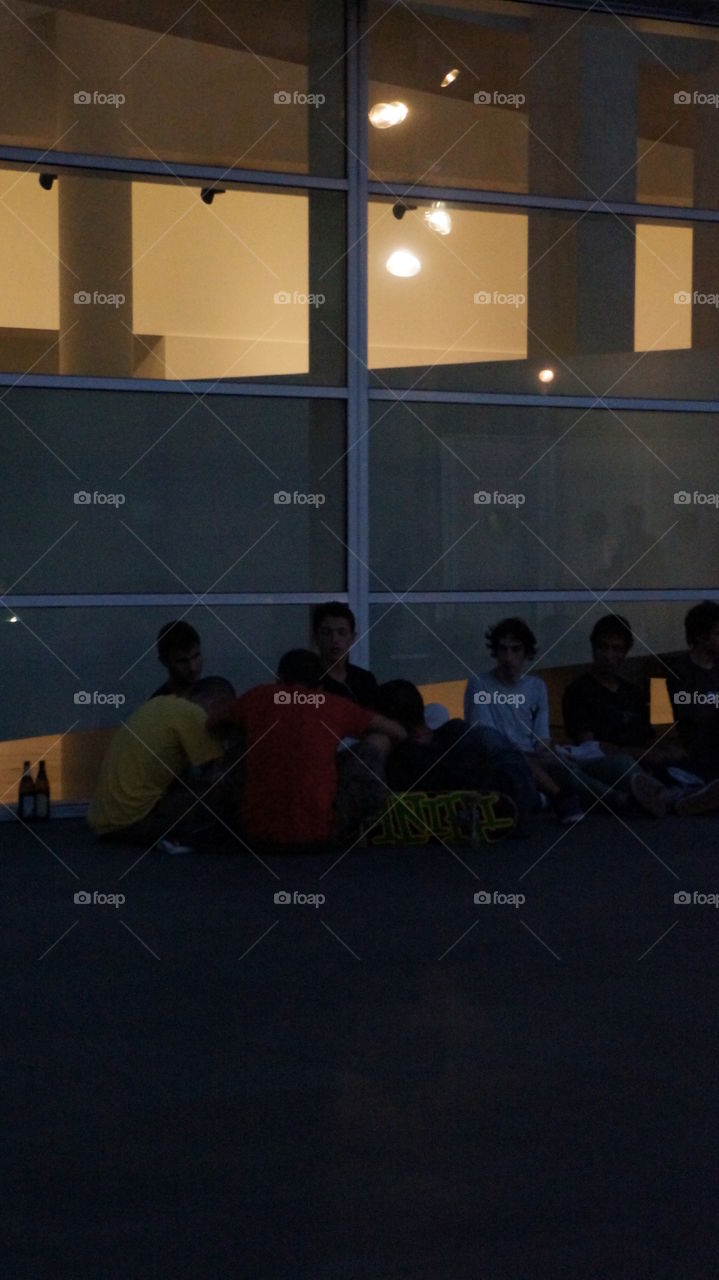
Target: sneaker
<point>173,846</point>
<point>568,808</point>
<point>649,794</point>
<point>701,801</point>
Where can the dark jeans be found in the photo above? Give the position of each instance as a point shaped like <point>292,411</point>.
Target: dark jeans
<point>464,757</point>
<point>200,806</point>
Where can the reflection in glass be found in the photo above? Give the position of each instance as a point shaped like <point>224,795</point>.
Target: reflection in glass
<point>599,108</point>
<point>223,84</point>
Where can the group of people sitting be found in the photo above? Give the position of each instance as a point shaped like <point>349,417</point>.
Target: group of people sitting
<point>311,759</point>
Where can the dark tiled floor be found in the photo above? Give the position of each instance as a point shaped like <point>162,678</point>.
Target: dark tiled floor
<point>394,1083</point>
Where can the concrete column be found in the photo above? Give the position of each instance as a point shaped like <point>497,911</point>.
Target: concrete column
<point>95,249</point>
<point>581,293</point>
<point>95,215</point>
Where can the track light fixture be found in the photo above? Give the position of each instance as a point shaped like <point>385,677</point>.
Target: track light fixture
<point>401,208</point>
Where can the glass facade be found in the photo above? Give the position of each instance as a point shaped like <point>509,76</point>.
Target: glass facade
<point>410,305</point>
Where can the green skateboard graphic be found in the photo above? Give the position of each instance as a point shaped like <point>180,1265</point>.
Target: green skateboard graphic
<point>453,817</point>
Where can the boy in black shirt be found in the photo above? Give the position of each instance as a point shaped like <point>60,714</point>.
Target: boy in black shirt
<point>334,629</point>
<point>601,706</point>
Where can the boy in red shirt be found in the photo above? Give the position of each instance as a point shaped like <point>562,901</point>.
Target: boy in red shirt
<point>292,730</point>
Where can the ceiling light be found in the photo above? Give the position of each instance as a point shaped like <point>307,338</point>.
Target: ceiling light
<point>437,218</point>
<point>450,77</point>
<point>403,263</point>
<point>12,618</point>
<point>546,375</point>
<point>383,115</point>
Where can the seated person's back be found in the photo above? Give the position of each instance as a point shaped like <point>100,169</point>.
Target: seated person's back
<point>149,752</point>
<point>292,730</point>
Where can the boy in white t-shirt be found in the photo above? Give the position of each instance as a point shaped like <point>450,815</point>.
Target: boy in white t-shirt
<point>517,705</point>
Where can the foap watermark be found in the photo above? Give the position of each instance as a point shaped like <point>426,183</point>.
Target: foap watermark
<point>285,499</point>
<point>495,298</point>
<point>286,899</point>
<point>283,98</point>
<point>84,298</point>
<point>696,899</point>
<point>283,298</point>
<point>691,698</point>
<point>684,298</point>
<point>689,98</point>
<point>96,899</point>
<point>283,698</point>
<point>495,898</point>
<point>83,498</point>
<point>85,98</point>
<point>683,498</point>
<point>83,698</point>
<point>483,498</point>
<point>495,98</point>
<point>485,698</point>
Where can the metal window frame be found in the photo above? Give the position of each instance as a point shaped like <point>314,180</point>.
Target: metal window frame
<point>356,391</point>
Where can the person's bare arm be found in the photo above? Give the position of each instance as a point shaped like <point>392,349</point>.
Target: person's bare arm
<point>394,731</point>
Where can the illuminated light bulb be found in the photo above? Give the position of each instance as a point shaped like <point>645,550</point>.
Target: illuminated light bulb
<point>12,619</point>
<point>546,375</point>
<point>438,219</point>
<point>383,115</point>
<point>450,77</point>
<point>403,263</point>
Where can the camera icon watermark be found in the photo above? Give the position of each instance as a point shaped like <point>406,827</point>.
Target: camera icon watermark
<point>683,98</point>
<point>692,698</point>
<point>485,898</point>
<point>298,698</point>
<point>683,498</point>
<point>696,298</point>
<point>83,698</point>
<point>495,297</point>
<point>495,98</point>
<point>96,899</point>
<point>686,899</point>
<point>483,498</point>
<point>283,298</point>
<point>83,498</point>
<point>84,98</point>
<point>487,698</point>
<point>283,498</point>
<point>283,98</point>
<point>284,898</point>
<point>84,298</point>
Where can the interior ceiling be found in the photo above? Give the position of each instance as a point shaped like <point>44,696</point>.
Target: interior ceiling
<point>278,31</point>
<point>493,53</point>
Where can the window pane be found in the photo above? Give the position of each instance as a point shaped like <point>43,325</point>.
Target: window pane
<point>546,101</point>
<point>228,85</point>
<point>425,643</point>
<point>610,306</point>
<point>131,492</point>
<point>137,279</point>
<point>56,653</point>
<point>546,499</point>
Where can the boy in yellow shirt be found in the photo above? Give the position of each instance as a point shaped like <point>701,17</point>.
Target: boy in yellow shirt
<point>157,764</point>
